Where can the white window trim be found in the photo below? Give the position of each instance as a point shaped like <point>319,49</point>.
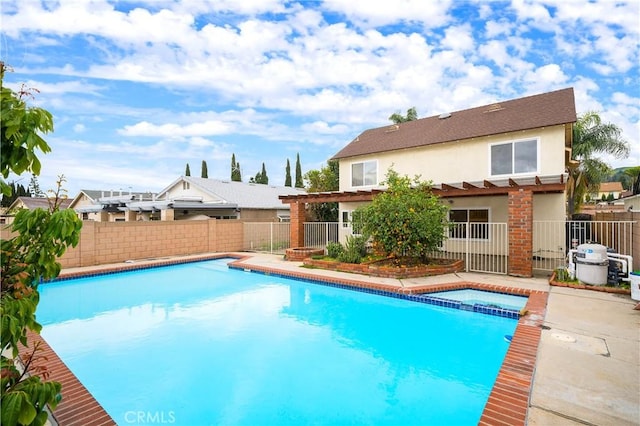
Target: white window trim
<point>489,233</point>
<point>536,172</point>
<point>363,162</point>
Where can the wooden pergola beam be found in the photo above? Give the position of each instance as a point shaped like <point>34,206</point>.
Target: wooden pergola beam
<point>446,187</point>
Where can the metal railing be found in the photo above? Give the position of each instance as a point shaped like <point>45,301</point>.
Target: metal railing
<point>484,247</point>
<point>318,234</point>
<point>553,239</point>
<point>274,237</point>
<point>266,237</point>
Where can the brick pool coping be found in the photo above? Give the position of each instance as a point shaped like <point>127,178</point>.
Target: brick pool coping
<point>507,404</point>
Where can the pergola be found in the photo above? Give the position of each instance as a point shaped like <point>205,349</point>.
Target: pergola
<point>520,209</point>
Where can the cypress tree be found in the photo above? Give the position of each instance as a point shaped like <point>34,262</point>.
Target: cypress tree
<point>205,173</point>
<point>238,175</point>
<point>287,178</point>
<point>187,170</point>
<point>299,183</point>
<point>235,170</point>
<point>264,178</point>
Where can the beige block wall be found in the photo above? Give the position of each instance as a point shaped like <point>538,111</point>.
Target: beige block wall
<point>115,242</point>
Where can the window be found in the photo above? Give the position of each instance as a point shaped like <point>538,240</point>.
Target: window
<point>514,157</point>
<point>347,221</point>
<point>472,222</point>
<point>186,185</point>
<point>364,174</point>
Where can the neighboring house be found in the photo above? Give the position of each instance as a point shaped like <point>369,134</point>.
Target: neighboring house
<point>193,197</point>
<point>189,198</point>
<point>108,206</point>
<point>504,162</point>
<point>30,203</point>
<point>608,188</point>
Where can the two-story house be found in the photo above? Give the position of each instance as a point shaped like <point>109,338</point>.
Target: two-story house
<point>504,162</point>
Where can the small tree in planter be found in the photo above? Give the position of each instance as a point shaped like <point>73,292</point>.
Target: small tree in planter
<point>407,220</point>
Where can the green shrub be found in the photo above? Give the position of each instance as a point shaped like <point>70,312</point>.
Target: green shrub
<point>355,249</point>
<point>405,220</point>
<point>334,250</point>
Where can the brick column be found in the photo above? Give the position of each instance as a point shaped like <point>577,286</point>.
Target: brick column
<point>297,224</point>
<point>520,228</point>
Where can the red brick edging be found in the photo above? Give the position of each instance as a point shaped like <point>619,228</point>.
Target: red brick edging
<point>78,406</point>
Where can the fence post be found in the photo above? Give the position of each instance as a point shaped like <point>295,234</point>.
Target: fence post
<point>467,257</point>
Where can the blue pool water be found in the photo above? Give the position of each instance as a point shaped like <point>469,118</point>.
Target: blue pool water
<point>198,344</point>
<point>480,297</point>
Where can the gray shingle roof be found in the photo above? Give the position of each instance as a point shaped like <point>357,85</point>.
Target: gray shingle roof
<point>547,109</point>
<point>40,202</point>
<point>246,195</point>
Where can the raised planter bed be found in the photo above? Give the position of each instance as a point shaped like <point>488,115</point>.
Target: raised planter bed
<point>578,285</point>
<point>374,270</point>
<point>298,254</point>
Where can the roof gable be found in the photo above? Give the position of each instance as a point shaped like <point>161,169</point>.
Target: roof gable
<point>547,109</point>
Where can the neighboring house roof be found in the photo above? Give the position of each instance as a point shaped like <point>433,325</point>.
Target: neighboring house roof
<point>547,109</point>
<point>98,198</point>
<point>610,187</point>
<point>32,203</point>
<point>244,195</point>
<point>91,194</point>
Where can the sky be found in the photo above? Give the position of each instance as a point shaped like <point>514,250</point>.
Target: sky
<point>140,89</point>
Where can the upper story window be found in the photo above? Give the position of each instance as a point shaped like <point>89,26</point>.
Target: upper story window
<point>364,174</point>
<point>514,157</point>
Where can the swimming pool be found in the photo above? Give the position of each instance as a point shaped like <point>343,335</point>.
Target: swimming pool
<point>199,344</point>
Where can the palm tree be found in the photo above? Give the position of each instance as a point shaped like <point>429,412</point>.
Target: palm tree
<point>634,174</point>
<point>590,137</point>
<point>398,118</point>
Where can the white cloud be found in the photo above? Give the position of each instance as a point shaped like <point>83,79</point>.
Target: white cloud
<point>324,128</point>
<point>304,81</point>
<point>459,38</point>
<point>172,130</point>
<point>366,13</point>
<point>550,75</point>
